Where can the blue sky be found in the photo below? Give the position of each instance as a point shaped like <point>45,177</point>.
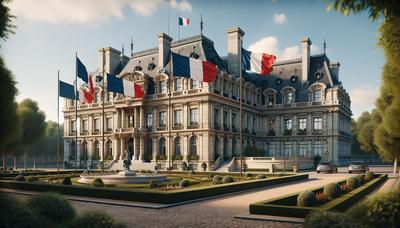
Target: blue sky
<point>50,32</point>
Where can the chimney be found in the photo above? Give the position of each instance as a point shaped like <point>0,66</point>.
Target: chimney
<point>235,36</point>
<point>164,45</point>
<point>109,58</point>
<point>305,58</point>
<point>334,67</point>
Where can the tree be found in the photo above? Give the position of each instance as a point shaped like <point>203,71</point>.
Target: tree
<point>32,124</point>
<point>9,130</point>
<point>366,125</point>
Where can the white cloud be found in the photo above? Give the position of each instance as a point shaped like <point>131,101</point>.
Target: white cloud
<point>363,98</point>
<point>270,44</point>
<point>87,11</point>
<point>279,19</point>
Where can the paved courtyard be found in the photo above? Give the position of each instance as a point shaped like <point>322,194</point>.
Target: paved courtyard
<point>217,212</point>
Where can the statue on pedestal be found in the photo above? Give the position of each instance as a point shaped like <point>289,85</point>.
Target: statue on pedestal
<point>128,160</point>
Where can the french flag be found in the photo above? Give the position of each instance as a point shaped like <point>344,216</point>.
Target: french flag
<point>124,87</point>
<point>85,86</point>
<point>260,63</point>
<point>198,70</point>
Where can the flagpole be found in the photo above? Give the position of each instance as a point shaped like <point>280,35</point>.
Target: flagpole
<point>76,111</point>
<point>102,127</point>
<point>169,114</point>
<point>58,122</point>
<point>241,107</point>
<point>168,20</point>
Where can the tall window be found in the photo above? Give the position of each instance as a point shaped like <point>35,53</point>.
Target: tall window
<point>162,146</point>
<point>247,122</point>
<point>163,87</point>
<point>97,97</point>
<point>177,117</point>
<point>177,143</point>
<point>271,98</point>
<point>96,124</point>
<point>149,119</point>
<point>253,127</point>
<point>317,148</point>
<point>302,149</point>
<point>130,121</point>
<point>162,119</point>
<point>193,145</point>
<point>195,84</point>
<point>109,124</point>
<point>225,118</point>
<point>302,124</point>
<point>110,96</point>
<point>96,154</point>
<point>178,84</point>
<point>73,125</point>
<point>194,116</point>
<point>289,98</point>
<point>234,120</point>
<point>318,123</point>
<point>271,149</point>
<point>84,154</point>
<point>288,124</point>
<point>109,150</point>
<point>84,125</point>
<point>317,95</point>
<point>287,149</point>
<point>216,117</point>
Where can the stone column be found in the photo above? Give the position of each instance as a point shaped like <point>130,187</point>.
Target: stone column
<point>115,148</point>
<point>136,147</point>
<point>122,118</point>
<point>122,150</point>
<point>118,119</point>
<point>141,109</point>
<point>135,117</point>
<point>155,147</point>
<point>101,150</point>
<point>141,155</point>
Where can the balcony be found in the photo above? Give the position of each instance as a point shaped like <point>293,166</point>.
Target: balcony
<point>177,126</point>
<point>302,131</point>
<point>177,157</point>
<point>96,132</point>
<point>162,128</point>
<point>193,125</point>
<point>317,132</point>
<point>72,133</point>
<point>108,131</point>
<point>192,91</point>
<point>178,93</point>
<point>161,157</point>
<point>226,95</point>
<point>192,157</point>
<point>287,132</point>
<point>84,132</point>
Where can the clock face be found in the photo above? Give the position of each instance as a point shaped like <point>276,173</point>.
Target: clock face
<point>318,75</point>
<point>294,78</point>
<point>278,81</point>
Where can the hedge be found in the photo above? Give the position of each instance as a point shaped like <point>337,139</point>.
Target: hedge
<point>284,205</point>
<point>148,195</point>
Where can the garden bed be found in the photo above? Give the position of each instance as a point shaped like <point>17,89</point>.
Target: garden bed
<point>151,195</point>
<point>287,205</point>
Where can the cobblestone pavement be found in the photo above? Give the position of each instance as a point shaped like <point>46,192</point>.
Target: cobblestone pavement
<point>218,212</point>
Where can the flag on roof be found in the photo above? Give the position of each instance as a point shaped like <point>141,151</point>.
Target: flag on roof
<point>260,63</point>
<point>84,85</point>
<point>196,69</point>
<point>66,90</point>
<point>124,87</point>
<point>184,21</point>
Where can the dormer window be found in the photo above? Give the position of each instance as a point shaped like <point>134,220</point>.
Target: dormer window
<point>163,87</point>
<point>289,97</point>
<point>317,95</point>
<point>195,84</point>
<point>178,84</point>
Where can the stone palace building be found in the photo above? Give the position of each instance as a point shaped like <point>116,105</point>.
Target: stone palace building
<point>298,111</point>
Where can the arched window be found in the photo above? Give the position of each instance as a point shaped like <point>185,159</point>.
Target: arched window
<point>96,154</point>
<point>162,150</point>
<point>84,153</point>
<point>289,95</point>
<point>302,149</point>
<point>109,150</point>
<point>317,148</point>
<point>193,146</point>
<point>177,143</point>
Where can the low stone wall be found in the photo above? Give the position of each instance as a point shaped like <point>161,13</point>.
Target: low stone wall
<point>272,164</point>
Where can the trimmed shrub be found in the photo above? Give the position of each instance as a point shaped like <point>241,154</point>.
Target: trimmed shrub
<point>184,183</point>
<point>369,176</point>
<point>327,219</point>
<point>14,214</point>
<point>261,176</point>
<point>352,183</point>
<point>191,172</point>
<point>19,178</point>
<point>98,182</point>
<point>217,179</point>
<point>153,184</point>
<point>382,210</point>
<point>32,179</point>
<point>306,199</point>
<point>248,175</point>
<point>52,206</point>
<point>227,179</point>
<point>95,219</point>
<point>332,190</point>
<point>360,179</point>
<point>66,181</point>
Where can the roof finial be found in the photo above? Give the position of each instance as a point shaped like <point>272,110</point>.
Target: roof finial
<point>122,50</point>
<point>324,46</point>
<point>201,23</point>
<point>131,46</point>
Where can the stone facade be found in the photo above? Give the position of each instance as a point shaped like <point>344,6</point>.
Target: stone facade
<point>300,110</point>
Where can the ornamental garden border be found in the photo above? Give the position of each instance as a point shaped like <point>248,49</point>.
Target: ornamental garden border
<point>149,195</point>
<point>282,206</point>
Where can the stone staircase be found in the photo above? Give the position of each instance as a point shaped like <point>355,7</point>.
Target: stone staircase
<point>227,166</point>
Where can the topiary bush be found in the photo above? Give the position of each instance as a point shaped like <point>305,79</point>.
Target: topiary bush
<point>66,181</point>
<point>98,182</point>
<point>369,176</point>
<point>248,175</point>
<point>352,183</point>
<point>19,178</point>
<point>184,183</point>
<point>32,179</point>
<point>327,219</point>
<point>217,179</point>
<point>227,179</point>
<point>153,184</point>
<point>53,207</point>
<point>360,179</point>
<point>306,199</point>
<point>95,219</point>
<point>332,190</point>
<point>381,210</point>
<point>261,176</point>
